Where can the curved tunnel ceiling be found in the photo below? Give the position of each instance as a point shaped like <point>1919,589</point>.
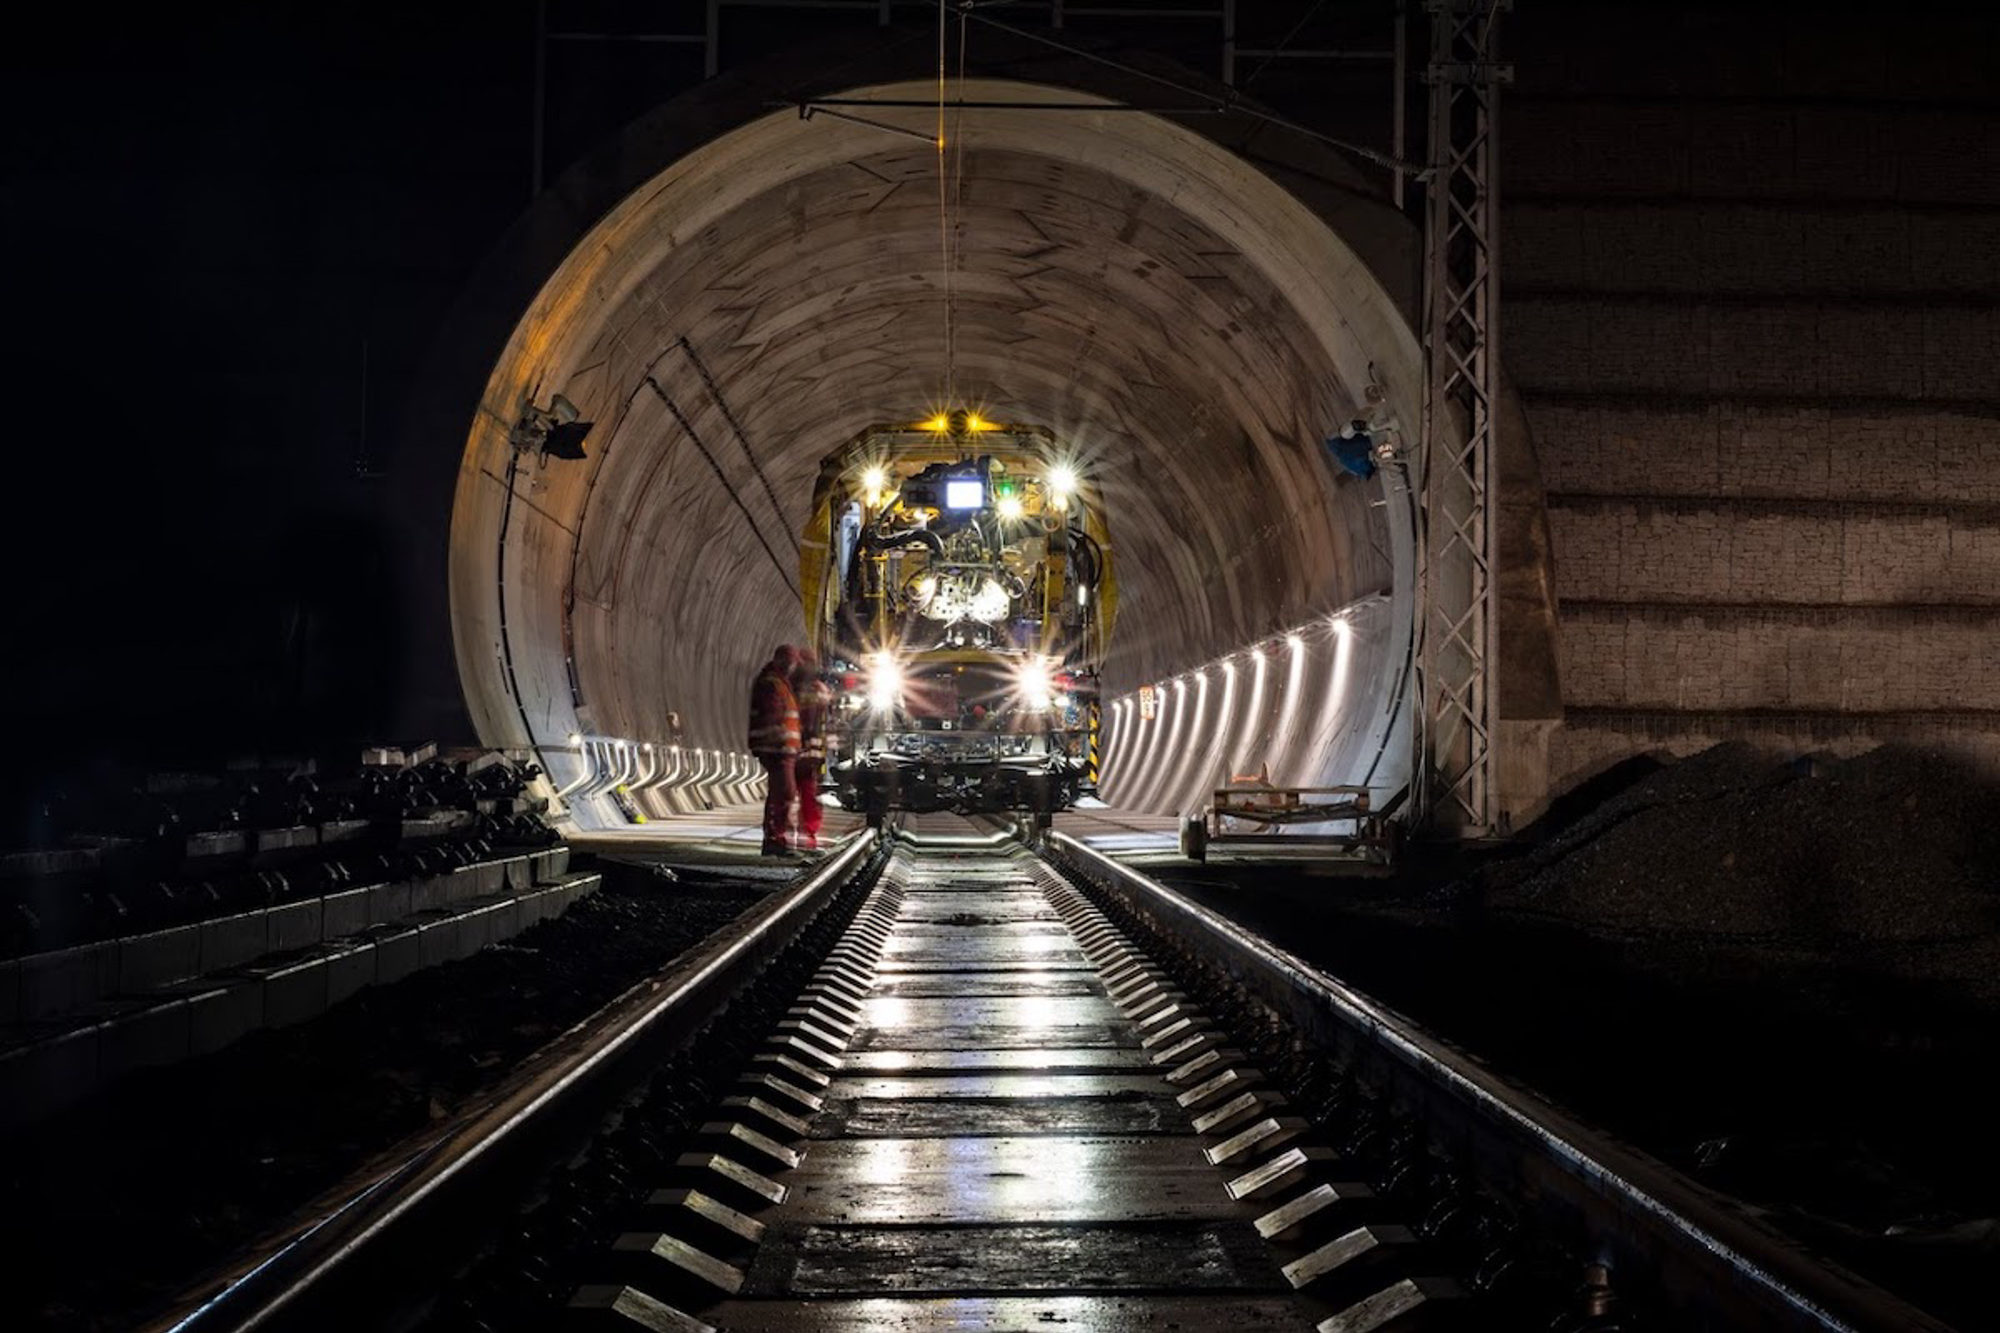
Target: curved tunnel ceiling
<point>1187,324</point>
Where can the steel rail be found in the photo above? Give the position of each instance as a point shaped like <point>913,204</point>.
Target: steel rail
<point>1652,1222</point>
<point>568,1081</point>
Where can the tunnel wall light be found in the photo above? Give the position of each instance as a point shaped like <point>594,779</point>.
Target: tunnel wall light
<point>659,778</point>
<point>1173,765</point>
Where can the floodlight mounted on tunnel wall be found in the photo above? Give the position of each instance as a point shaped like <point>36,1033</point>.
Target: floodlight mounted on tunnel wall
<point>553,432</point>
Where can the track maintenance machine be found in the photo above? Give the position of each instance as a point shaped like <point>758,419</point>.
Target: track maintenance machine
<point>957,582</point>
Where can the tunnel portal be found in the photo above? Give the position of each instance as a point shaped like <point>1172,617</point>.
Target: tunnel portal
<point>1187,322</point>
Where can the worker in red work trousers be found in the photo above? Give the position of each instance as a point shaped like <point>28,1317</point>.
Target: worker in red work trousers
<point>814,698</point>
<point>774,739</point>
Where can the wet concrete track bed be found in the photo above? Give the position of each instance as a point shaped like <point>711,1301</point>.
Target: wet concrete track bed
<point>1074,1171</point>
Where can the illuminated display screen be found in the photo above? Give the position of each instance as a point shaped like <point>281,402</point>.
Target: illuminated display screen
<point>964,494</point>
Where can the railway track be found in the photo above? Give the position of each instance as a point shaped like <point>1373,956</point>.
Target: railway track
<point>960,1083</point>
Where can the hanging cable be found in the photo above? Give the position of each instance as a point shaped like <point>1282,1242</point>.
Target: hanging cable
<point>958,227</point>
<point>944,212</point>
<point>1286,41</point>
<point>736,426</point>
<point>723,478</point>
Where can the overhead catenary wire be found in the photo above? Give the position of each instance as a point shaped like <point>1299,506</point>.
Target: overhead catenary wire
<point>1284,42</point>
<point>1230,103</point>
<point>956,256</point>
<point>944,211</point>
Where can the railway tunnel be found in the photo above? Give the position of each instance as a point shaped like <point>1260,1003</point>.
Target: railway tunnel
<point>1189,307</point>
<point>440,1042</point>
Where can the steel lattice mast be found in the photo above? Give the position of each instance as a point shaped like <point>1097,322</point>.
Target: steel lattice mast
<point>1458,656</point>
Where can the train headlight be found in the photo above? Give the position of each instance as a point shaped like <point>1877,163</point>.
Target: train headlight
<point>1034,685</point>
<point>885,683</point>
<point>1062,483</point>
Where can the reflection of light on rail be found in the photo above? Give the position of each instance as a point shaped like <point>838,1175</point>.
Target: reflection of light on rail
<point>1033,1011</point>
<point>886,1013</point>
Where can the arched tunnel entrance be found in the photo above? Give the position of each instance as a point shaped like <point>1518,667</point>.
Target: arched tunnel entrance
<point>1186,322</point>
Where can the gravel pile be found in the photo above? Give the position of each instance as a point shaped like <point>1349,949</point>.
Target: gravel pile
<point>1889,861</point>
<point>111,1210</point>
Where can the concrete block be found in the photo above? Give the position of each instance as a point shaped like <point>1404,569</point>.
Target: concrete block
<point>551,863</point>
<point>519,872</point>
<point>150,1036</point>
<point>480,880</point>
<point>390,902</point>
<point>232,941</point>
<point>440,941</point>
<point>430,893</point>
<point>508,919</point>
<point>397,955</point>
<point>232,842</point>
<point>336,831</point>
<point>158,958</point>
<point>483,925</point>
<point>66,980</point>
<point>1961,345</point>
<point>544,904</point>
<point>38,1080</point>
<point>295,926</point>
<point>348,912</point>
<point>295,993</point>
<point>290,839</point>
<point>219,1014</point>
<point>349,971</point>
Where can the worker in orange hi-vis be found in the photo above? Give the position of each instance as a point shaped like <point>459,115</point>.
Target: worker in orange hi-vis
<point>774,739</point>
<point>815,699</point>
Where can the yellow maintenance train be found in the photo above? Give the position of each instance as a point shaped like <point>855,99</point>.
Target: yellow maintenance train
<point>958,591</point>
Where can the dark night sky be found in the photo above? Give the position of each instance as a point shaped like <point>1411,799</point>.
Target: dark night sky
<point>211,216</point>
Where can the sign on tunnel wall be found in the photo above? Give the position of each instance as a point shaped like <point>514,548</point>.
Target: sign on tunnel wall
<point>1149,703</point>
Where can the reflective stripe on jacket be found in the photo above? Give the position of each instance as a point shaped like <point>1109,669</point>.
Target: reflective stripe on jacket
<point>814,699</point>
<point>774,715</point>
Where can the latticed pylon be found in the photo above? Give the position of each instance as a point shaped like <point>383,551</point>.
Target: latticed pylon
<point>1458,656</point>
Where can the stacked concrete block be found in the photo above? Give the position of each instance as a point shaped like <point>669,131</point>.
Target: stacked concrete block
<point>77,1019</point>
<point>1758,342</point>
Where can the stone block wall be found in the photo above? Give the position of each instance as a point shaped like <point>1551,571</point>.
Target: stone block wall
<point>1752,305</point>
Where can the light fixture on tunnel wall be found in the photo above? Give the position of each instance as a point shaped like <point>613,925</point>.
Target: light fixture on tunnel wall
<point>557,431</point>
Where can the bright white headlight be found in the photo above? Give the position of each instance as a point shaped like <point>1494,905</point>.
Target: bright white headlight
<point>885,683</point>
<point>1034,684</point>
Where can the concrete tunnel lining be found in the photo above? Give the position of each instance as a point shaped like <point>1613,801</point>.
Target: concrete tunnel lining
<point>1146,292</point>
